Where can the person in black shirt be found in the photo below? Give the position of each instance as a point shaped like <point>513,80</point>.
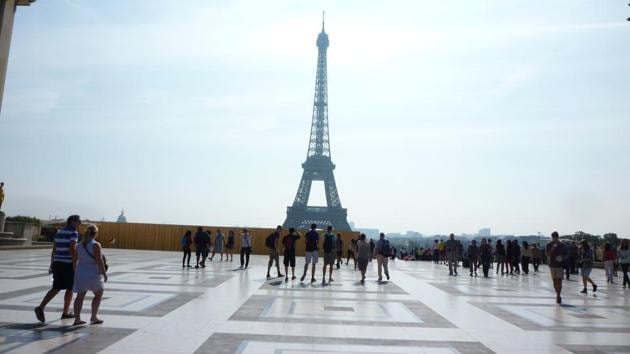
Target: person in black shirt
<point>311,239</point>
<point>485,256</point>
<point>202,240</point>
<point>288,243</point>
<point>500,257</point>
<point>372,245</point>
<point>516,256</point>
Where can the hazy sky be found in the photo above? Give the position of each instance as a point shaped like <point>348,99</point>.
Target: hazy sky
<point>444,116</point>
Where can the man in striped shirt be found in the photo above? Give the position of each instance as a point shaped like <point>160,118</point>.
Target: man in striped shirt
<point>61,267</point>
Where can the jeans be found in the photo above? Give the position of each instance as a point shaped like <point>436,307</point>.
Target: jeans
<point>610,268</point>
<point>382,263</point>
<point>536,263</point>
<point>624,269</point>
<point>485,265</point>
<point>472,263</point>
<point>245,251</point>
<point>525,261</point>
<point>187,254</point>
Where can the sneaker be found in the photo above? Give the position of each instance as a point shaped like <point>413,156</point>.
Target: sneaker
<point>380,278</point>
<point>387,275</point>
<point>293,277</point>
<point>313,280</point>
<point>302,278</point>
<point>583,291</point>
<point>197,266</point>
<point>280,275</point>
<point>268,276</point>
<point>286,279</point>
<point>324,282</point>
<point>39,313</point>
<point>558,300</point>
<point>594,288</point>
<point>189,266</point>
<point>330,280</point>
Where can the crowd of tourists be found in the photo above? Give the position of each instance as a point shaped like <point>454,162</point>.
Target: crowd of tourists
<point>564,258</point>
<point>360,250</point>
<point>78,264</point>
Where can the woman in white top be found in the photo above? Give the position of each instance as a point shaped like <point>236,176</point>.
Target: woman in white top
<point>88,268</point>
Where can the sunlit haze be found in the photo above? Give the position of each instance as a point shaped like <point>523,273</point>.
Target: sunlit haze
<point>444,116</point>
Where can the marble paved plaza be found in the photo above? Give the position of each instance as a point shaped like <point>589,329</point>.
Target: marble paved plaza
<point>152,305</point>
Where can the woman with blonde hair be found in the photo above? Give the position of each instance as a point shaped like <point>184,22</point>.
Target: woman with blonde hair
<point>89,266</point>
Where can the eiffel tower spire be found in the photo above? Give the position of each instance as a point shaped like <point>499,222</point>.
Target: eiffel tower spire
<point>318,165</point>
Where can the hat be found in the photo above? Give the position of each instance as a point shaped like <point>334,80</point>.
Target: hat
<point>74,218</point>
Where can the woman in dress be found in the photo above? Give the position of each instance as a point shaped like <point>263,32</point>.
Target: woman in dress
<point>586,260</point>
<point>363,255</point>
<point>229,246</point>
<point>219,240</point>
<point>88,269</point>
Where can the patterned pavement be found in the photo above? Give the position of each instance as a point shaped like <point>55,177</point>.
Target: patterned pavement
<point>152,305</point>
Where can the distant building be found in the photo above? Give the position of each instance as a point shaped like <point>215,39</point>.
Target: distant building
<point>485,232</point>
<point>121,217</point>
<point>370,233</point>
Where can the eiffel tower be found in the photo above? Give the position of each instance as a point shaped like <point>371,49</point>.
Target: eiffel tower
<point>318,165</point>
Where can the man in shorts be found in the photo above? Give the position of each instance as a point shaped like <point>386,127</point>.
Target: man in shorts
<point>311,239</point>
<point>63,253</point>
<point>288,243</point>
<point>556,253</point>
<point>272,245</point>
<point>330,253</point>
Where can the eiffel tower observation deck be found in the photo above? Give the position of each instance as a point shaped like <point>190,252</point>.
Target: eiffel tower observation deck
<point>318,165</point>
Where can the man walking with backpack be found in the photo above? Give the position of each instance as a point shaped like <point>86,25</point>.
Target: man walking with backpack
<point>271,242</point>
<point>312,240</point>
<point>382,251</point>
<point>330,254</point>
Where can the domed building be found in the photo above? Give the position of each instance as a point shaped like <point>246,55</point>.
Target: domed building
<point>121,217</point>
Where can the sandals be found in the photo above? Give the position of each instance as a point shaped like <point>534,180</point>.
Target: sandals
<point>65,316</point>
<point>97,321</point>
<point>80,323</point>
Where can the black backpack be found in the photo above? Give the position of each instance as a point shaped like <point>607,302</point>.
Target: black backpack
<point>385,249</point>
<point>270,241</point>
<point>329,243</point>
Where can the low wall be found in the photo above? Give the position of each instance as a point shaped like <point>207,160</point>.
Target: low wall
<point>164,237</point>
<point>22,230</point>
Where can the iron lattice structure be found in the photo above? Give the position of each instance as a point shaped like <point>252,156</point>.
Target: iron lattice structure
<point>318,165</point>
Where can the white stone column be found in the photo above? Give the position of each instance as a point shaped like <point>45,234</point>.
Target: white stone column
<point>7,14</point>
